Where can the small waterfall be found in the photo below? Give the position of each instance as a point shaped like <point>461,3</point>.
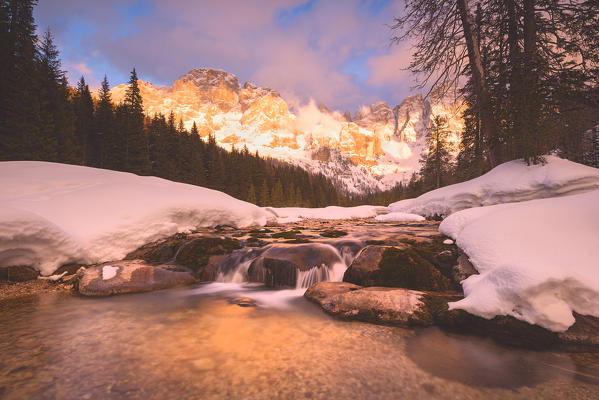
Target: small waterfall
<point>237,275</point>
<point>235,268</point>
<point>307,278</point>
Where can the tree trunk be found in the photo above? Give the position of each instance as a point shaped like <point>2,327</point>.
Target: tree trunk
<point>515,78</point>
<point>531,149</point>
<point>489,127</point>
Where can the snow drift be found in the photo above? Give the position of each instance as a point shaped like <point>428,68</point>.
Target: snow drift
<point>537,259</point>
<point>399,217</point>
<point>293,214</point>
<point>52,214</point>
<point>509,182</point>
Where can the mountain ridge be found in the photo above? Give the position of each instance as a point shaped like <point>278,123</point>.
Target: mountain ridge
<point>372,150</point>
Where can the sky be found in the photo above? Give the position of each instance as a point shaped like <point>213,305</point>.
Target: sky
<point>335,52</point>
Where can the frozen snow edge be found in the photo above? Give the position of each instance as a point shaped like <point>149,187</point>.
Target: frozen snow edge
<point>535,259</point>
<point>510,182</point>
<point>53,214</point>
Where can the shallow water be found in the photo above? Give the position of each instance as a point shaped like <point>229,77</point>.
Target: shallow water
<point>197,343</point>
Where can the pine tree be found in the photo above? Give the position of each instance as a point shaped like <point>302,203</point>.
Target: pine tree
<point>137,157</point>
<point>83,106</point>
<point>436,160</point>
<point>20,135</point>
<point>108,138</point>
<point>264,195</point>
<point>277,197</point>
<point>251,195</point>
<point>56,115</point>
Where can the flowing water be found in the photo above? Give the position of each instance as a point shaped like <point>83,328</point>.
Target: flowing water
<point>198,342</point>
<point>234,340</point>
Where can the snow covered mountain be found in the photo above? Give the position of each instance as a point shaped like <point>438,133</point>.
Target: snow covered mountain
<point>375,149</point>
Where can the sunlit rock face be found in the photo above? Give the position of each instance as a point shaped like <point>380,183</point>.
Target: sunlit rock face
<point>375,149</point>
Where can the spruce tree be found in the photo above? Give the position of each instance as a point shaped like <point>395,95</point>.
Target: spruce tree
<point>251,195</point>
<point>83,106</point>
<point>108,140</point>
<point>56,115</point>
<point>264,199</point>
<point>137,157</point>
<point>277,197</point>
<point>20,134</point>
<point>436,160</point>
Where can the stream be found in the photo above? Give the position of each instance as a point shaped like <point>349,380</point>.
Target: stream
<point>231,339</point>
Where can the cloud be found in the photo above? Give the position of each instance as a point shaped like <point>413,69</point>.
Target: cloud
<point>390,66</point>
<point>301,48</point>
<point>81,68</point>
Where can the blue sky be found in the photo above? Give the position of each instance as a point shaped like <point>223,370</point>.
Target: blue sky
<point>336,52</point>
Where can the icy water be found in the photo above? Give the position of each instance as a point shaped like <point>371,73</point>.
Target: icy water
<point>197,342</point>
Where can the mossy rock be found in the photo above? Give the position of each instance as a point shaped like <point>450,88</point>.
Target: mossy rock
<point>443,256</point>
<point>333,233</point>
<point>286,234</point>
<point>375,242</point>
<point>394,267</point>
<point>298,241</point>
<point>18,273</point>
<point>160,251</point>
<point>196,254</point>
<point>260,231</point>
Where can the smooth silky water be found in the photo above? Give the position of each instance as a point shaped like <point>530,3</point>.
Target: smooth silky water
<point>196,342</point>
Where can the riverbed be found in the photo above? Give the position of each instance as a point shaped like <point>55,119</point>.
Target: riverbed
<point>241,341</point>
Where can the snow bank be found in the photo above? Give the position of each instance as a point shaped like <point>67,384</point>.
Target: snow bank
<point>51,214</point>
<point>510,182</point>
<point>294,214</point>
<point>537,259</point>
<point>399,217</point>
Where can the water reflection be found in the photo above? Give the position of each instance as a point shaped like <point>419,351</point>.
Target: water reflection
<point>194,343</point>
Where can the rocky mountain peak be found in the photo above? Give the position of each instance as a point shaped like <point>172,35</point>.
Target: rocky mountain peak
<point>378,112</point>
<point>209,78</point>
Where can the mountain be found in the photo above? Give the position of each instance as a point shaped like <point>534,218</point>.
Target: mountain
<point>373,150</point>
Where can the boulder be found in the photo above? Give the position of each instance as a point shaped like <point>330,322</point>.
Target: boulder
<point>395,267</point>
<point>278,266</point>
<point>321,292</point>
<point>129,277</point>
<point>463,269</point>
<point>201,255</point>
<point>18,273</point>
<point>161,251</point>
<point>383,305</point>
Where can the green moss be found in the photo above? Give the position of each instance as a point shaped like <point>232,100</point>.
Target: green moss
<point>408,269</point>
<point>297,241</point>
<point>332,233</point>
<point>375,242</point>
<point>195,254</point>
<point>259,231</point>
<point>442,256</point>
<point>286,234</point>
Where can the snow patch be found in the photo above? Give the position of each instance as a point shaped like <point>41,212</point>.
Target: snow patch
<point>537,259</point>
<point>109,272</point>
<point>294,214</point>
<point>509,182</point>
<point>399,217</point>
<point>53,214</point>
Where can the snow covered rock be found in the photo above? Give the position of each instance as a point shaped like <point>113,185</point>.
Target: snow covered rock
<point>53,214</point>
<point>513,181</point>
<point>399,217</point>
<point>130,277</point>
<point>536,260</point>
<point>294,214</point>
